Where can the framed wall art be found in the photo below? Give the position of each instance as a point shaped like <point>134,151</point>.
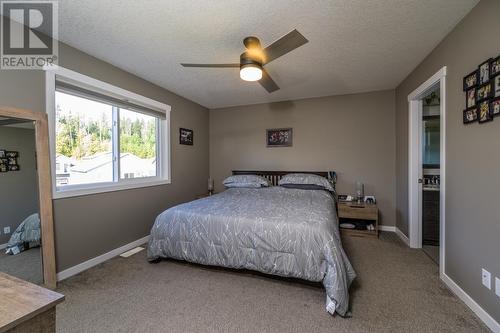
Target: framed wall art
<point>495,66</point>
<point>484,72</point>
<point>470,80</point>
<point>12,154</point>
<point>186,136</point>
<point>471,97</point>
<point>279,137</point>
<point>485,112</point>
<point>496,86</point>
<point>4,167</point>
<point>8,160</point>
<point>470,115</point>
<point>484,92</point>
<point>495,107</point>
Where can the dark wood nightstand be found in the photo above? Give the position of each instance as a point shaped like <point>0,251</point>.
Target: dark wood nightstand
<point>359,211</point>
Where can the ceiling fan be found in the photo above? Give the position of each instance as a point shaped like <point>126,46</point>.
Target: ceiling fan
<point>252,61</point>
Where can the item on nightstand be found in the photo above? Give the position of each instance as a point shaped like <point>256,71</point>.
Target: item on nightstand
<point>347,225</point>
<point>210,186</point>
<point>370,199</point>
<point>360,191</point>
<point>332,177</point>
<point>345,198</point>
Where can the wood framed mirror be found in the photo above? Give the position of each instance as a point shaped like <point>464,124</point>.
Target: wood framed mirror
<point>44,185</point>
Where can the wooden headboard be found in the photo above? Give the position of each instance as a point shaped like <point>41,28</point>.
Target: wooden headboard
<point>275,176</point>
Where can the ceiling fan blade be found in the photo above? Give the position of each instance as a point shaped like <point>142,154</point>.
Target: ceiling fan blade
<point>285,44</point>
<point>267,82</point>
<point>212,65</point>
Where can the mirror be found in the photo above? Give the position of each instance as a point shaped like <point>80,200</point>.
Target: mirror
<point>26,224</point>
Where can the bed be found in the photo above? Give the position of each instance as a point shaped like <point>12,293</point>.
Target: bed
<point>275,230</point>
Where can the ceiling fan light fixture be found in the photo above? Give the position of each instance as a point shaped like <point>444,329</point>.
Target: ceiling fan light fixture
<point>251,72</point>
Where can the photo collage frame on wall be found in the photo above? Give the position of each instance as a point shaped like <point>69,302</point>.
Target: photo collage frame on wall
<point>482,92</point>
<point>8,160</point>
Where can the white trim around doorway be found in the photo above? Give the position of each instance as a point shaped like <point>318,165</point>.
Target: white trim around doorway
<point>415,164</point>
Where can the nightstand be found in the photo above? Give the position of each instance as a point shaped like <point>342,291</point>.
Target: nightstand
<point>358,211</point>
<point>204,195</point>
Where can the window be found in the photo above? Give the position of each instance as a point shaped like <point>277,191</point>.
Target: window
<point>138,134</point>
<point>84,149</point>
<point>104,138</point>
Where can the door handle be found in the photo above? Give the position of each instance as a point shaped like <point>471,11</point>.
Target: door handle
<point>420,180</point>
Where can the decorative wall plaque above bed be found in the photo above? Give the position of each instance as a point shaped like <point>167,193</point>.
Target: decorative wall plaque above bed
<point>279,137</point>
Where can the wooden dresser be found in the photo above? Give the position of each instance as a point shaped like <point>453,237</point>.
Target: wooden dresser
<point>26,307</point>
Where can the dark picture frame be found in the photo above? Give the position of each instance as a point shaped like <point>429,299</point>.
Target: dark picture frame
<point>279,137</point>
<point>484,112</point>
<point>495,82</point>
<point>4,163</point>
<point>495,66</point>
<point>470,115</point>
<point>186,136</point>
<point>12,160</point>
<point>484,72</point>
<point>470,98</point>
<point>495,107</point>
<point>484,92</point>
<point>9,160</point>
<point>12,154</point>
<point>471,80</point>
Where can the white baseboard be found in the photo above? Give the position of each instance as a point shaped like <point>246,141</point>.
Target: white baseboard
<point>478,310</point>
<point>100,259</point>
<point>403,237</point>
<point>388,228</point>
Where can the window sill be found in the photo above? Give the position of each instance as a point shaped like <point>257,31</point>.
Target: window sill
<point>96,189</point>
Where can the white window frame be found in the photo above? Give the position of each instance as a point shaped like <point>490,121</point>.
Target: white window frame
<point>163,136</point>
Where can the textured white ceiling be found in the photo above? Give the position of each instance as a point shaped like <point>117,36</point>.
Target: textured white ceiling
<point>354,45</point>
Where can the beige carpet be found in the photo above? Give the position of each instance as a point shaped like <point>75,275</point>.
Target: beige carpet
<point>398,290</point>
<point>26,265</point>
<point>432,252</point>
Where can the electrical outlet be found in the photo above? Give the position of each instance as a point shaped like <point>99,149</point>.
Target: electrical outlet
<point>6,230</point>
<point>497,286</point>
<point>486,279</point>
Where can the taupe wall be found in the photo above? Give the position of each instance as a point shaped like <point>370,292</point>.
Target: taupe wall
<point>88,226</point>
<point>352,134</point>
<point>472,156</point>
<point>18,189</point>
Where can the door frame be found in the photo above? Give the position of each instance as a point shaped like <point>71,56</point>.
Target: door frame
<point>415,163</point>
<point>44,189</point>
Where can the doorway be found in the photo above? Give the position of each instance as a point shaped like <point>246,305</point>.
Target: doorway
<point>426,164</point>
<point>431,119</point>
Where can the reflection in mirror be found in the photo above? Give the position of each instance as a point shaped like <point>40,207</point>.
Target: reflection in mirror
<point>20,232</point>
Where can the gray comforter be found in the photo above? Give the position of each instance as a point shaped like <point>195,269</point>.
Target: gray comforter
<point>27,233</point>
<point>278,231</point>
